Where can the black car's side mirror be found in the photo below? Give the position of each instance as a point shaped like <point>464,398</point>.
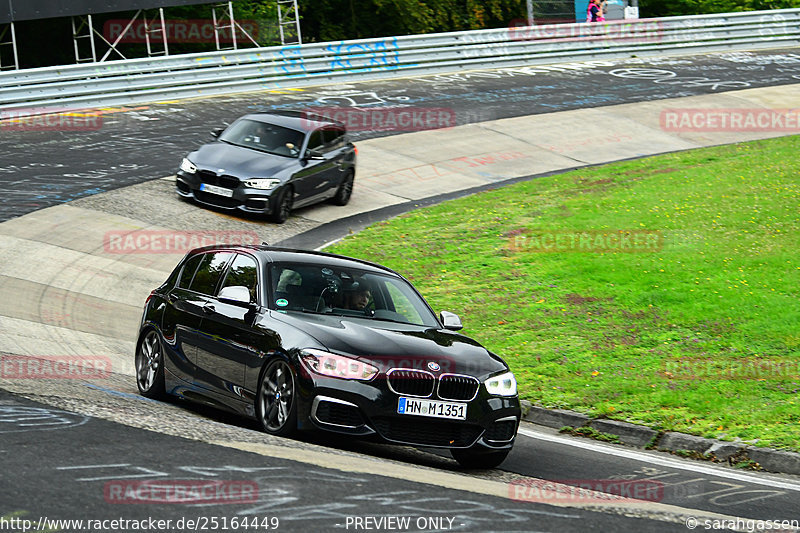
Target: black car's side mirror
<point>235,295</point>
<point>450,320</point>
<point>217,132</point>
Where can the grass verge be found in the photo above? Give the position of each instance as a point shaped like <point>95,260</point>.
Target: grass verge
<point>695,329</point>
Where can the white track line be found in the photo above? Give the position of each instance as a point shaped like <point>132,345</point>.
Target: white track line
<point>662,461</point>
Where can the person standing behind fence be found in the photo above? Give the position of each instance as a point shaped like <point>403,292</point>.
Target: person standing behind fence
<point>593,11</point>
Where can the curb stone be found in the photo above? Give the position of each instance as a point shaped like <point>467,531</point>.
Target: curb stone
<point>630,434</point>
<point>638,436</point>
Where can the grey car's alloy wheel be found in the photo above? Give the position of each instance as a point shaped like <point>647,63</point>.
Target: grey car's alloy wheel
<point>150,366</point>
<point>283,206</point>
<point>345,190</point>
<point>275,404</point>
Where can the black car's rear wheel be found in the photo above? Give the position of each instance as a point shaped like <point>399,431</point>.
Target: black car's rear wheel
<point>345,190</point>
<point>283,206</point>
<point>473,459</point>
<point>150,366</point>
<point>276,407</point>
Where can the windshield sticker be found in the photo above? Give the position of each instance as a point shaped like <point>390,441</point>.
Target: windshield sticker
<point>282,302</point>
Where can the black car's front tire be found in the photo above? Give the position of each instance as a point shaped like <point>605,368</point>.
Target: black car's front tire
<point>469,458</point>
<point>150,366</point>
<point>283,206</point>
<point>276,406</point>
<point>345,189</point>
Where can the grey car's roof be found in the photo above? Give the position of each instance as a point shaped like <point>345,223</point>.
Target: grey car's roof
<point>296,120</point>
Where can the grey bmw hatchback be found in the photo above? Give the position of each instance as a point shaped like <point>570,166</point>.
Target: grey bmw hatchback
<point>271,163</point>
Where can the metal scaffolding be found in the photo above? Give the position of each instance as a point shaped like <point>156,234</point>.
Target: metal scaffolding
<point>86,38</point>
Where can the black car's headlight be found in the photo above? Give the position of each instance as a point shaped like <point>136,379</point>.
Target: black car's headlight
<point>188,167</point>
<point>337,366</point>
<point>262,183</point>
<point>502,384</point>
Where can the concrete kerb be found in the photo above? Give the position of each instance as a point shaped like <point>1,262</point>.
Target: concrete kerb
<point>639,436</point>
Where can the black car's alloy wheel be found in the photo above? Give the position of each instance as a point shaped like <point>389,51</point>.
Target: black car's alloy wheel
<point>275,404</point>
<point>345,190</point>
<point>150,366</point>
<point>472,459</point>
<point>283,206</point>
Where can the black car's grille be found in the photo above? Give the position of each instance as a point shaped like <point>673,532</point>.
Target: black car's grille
<point>457,387</point>
<point>215,199</point>
<point>411,382</point>
<point>211,178</point>
<point>339,414</point>
<point>427,432</point>
<point>502,430</point>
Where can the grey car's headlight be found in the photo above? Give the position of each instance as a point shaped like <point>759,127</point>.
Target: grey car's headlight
<point>502,385</point>
<point>262,183</point>
<point>188,167</point>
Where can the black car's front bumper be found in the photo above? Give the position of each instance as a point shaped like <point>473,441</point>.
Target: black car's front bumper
<point>370,409</point>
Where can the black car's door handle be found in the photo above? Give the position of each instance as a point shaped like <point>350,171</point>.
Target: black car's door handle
<point>209,308</point>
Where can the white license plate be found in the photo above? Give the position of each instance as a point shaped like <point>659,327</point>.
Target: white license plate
<point>434,408</point>
<point>222,191</point>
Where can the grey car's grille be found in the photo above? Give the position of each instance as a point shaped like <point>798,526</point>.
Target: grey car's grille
<point>457,387</point>
<point>410,382</point>
<point>211,178</point>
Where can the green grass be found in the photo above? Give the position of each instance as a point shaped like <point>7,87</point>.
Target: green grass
<point>646,337</point>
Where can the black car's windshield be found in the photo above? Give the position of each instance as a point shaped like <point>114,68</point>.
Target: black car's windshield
<point>264,137</point>
<point>347,292</point>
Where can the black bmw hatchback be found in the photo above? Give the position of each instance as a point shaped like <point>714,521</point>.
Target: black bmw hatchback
<point>271,163</point>
<point>303,340</point>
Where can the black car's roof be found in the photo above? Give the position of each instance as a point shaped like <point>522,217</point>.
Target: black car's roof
<point>290,255</point>
<point>296,120</point>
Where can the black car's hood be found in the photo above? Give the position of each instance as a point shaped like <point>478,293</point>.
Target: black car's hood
<point>236,161</point>
<point>393,345</point>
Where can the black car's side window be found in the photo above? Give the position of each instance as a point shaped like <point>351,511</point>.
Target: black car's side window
<point>208,273</point>
<point>189,268</point>
<point>243,272</point>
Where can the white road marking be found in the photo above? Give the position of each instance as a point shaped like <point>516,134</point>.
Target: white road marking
<point>662,461</point>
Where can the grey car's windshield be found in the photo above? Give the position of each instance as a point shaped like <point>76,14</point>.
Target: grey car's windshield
<point>347,292</point>
<point>264,137</point>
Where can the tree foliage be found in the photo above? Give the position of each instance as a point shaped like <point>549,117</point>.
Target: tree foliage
<point>329,20</point>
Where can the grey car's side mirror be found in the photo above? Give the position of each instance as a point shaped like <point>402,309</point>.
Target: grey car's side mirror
<point>217,132</point>
<point>314,155</point>
<point>450,320</point>
<point>236,294</point>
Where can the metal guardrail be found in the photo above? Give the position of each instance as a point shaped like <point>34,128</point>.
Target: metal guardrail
<point>41,90</point>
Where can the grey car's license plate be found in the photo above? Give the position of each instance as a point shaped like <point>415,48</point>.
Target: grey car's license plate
<point>222,191</point>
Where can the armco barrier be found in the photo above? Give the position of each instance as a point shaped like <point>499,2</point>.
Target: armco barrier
<point>41,90</point>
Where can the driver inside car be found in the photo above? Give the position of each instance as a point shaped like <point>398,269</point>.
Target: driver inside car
<point>357,298</point>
